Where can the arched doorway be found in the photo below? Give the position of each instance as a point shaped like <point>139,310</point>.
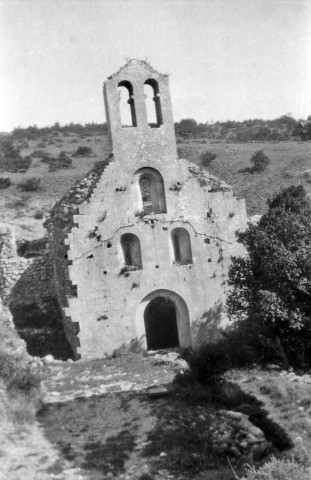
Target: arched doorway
<point>159,304</point>
<point>161,324</point>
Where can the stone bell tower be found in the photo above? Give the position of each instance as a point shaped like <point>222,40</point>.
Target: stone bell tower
<point>139,139</point>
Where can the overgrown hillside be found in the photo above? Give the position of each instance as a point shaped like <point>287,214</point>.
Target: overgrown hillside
<point>290,165</point>
<point>49,160</point>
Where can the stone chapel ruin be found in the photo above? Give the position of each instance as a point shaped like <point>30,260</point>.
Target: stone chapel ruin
<point>141,245</point>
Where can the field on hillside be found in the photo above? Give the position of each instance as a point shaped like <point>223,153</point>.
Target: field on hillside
<point>289,163</point>
<point>20,208</point>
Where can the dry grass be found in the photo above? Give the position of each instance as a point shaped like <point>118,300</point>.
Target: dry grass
<point>289,162</point>
<point>287,398</point>
<point>14,208</point>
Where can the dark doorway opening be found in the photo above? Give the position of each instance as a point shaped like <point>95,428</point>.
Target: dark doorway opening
<point>161,324</point>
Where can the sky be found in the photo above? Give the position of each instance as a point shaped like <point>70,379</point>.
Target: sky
<point>227,59</point>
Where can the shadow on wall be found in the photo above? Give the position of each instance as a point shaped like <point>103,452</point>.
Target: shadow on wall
<point>36,312</point>
<point>136,345</point>
<point>206,329</point>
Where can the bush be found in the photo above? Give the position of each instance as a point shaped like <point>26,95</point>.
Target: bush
<point>207,157</point>
<point>56,163</point>
<point>5,183</point>
<point>38,215</point>
<point>279,469</point>
<point>15,165</point>
<point>260,161</point>
<point>10,159</point>
<point>207,363</point>
<point>9,150</point>
<point>38,153</point>
<point>30,184</point>
<point>63,161</point>
<point>82,152</point>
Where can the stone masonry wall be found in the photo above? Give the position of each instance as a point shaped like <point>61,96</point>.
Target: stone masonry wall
<point>103,303</point>
<point>26,284</point>
<point>107,306</point>
<point>11,266</point>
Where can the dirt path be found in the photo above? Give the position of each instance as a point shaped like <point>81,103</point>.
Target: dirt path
<point>101,422</point>
<point>104,425</point>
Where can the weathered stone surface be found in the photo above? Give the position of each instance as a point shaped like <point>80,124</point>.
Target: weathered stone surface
<point>103,297</point>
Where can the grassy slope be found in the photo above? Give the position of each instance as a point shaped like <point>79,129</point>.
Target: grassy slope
<point>18,208</point>
<point>286,396</point>
<point>288,161</point>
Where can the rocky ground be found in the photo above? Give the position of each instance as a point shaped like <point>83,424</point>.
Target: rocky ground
<point>98,420</point>
<point>102,423</point>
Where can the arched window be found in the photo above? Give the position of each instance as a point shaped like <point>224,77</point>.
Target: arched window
<point>181,246</point>
<point>152,190</point>
<point>153,103</point>
<point>131,250</point>
<point>127,104</point>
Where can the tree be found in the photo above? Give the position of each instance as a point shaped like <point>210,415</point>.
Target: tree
<point>260,161</point>
<point>186,126</point>
<point>271,286</point>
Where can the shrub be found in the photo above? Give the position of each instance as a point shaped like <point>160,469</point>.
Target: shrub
<point>207,157</point>
<point>41,145</point>
<point>83,151</point>
<point>62,161</point>
<point>5,183</point>
<point>38,215</point>
<point>30,184</point>
<point>15,164</point>
<point>279,469</point>
<point>24,144</point>
<point>10,158</point>
<point>260,161</point>
<point>207,363</point>
<point>9,150</point>
<point>38,153</point>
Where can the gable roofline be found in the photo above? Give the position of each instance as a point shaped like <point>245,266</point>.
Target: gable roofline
<point>135,62</point>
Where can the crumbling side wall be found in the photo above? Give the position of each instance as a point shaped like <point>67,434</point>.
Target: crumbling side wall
<point>27,287</point>
<point>11,266</point>
<point>59,225</point>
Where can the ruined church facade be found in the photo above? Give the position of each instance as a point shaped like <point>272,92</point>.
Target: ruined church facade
<point>141,246</point>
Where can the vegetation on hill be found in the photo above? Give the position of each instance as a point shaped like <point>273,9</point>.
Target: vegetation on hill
<point>49,154</point>
<point>35,133</point>
<point>280,129</point>
<point>11,159</point>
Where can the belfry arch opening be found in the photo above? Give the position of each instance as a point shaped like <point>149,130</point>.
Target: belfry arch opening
<point>151,188</point>
<point>131,250</point>
<point>153,103</point>
<point>181,246</point>
<point>127,104</point>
